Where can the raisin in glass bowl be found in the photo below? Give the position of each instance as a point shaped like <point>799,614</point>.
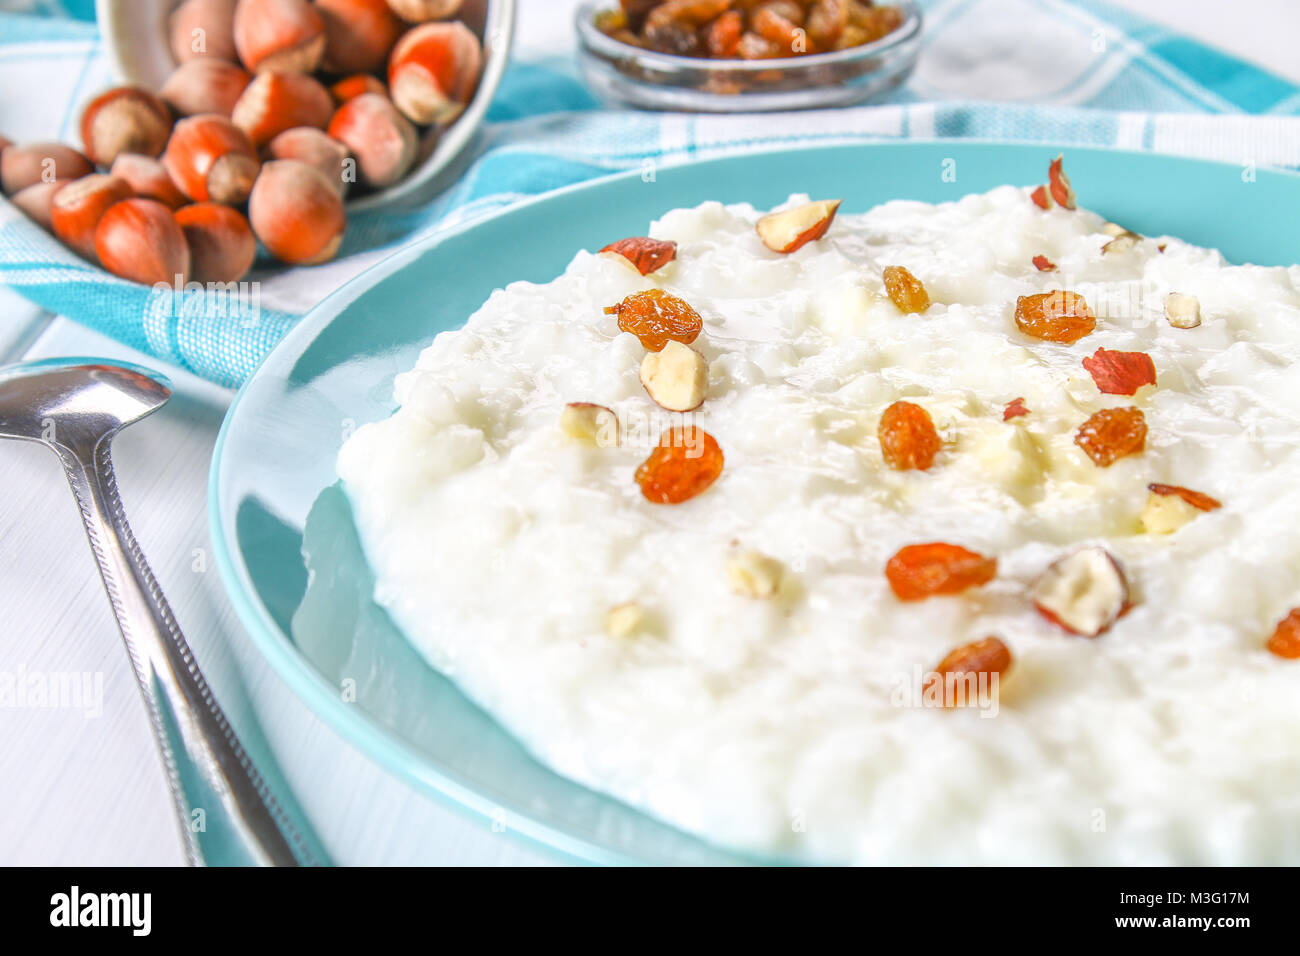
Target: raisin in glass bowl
<point>624,73</point>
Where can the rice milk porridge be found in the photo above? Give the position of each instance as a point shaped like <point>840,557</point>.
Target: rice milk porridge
<point>739,663</point>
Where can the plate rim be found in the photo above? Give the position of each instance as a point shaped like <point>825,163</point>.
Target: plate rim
<point>374,741</point>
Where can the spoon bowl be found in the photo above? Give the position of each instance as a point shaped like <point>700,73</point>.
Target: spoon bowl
<point>68,401</point>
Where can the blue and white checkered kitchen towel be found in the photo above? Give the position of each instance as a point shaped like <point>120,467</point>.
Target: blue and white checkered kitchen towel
<point>1053,71</point>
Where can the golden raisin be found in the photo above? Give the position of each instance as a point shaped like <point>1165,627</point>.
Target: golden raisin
<point>722,36</point>
<point>657,317</point>
<point>1194,498</point>
<point>1111,434</point>
<point>690,12</point>
<point>754,47</point>
<point>981,660</point>
<point>748,29</point>
<point>826,22</point>
<point>777,29</point>
<point>1285,641</point>
<point>877,22</point>
<point>648,255</point>
<point>636,10</point>
<point>684,463</point>
<point>905,290</point>
<point>919,571</point>
<point>1056,316</point>
<point>674,26</point>
<point>610,21</point>
<point>908,437</point>
<point>671,36</point>
<point>792,10</point>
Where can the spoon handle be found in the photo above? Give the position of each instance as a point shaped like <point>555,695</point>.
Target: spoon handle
<point>220,797</point>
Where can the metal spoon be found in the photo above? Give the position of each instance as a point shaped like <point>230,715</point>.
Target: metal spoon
<point>76,407</point>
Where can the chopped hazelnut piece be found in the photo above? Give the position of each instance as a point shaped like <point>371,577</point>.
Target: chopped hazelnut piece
<point>645,254</point>
<point>791,229</point>
<point>623,261</point>
<point>624,620</point>
<point>1122,243</point>
<point>677,377</point>
<point>1169,507</point>
<point>1120,373</point>
<point>1197,499</point>
<point>753,574</point>
<point>1058,184</point>
<point>1084,592</point>
<point>1165,514</point>
<point>1183,311</point>
<point>590,424</point>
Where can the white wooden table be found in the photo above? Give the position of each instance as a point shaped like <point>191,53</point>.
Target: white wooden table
<point>87,788</point>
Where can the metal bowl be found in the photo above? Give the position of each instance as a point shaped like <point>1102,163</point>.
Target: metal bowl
<point>136,42</point>
<point>621,72</point>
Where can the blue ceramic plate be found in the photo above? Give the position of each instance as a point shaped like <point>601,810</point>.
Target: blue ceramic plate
<point>283,532</point>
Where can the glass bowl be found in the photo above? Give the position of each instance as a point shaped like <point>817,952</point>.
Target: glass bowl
<point>621,72</point>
